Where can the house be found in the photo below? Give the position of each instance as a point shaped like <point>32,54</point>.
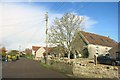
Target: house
<point>39,52</point>
<point>90,44</point>
<point>115,52</point>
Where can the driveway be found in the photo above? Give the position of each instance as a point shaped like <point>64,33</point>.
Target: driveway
<point>25,68</point>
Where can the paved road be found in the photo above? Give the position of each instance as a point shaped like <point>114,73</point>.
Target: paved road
<point>25,68</point>
<point>0,69</point>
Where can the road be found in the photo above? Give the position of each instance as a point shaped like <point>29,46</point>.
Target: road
<point>25,68</point>
<point>0,69</point>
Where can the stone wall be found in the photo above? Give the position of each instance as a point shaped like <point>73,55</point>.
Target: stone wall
<point>87,68</point>
<point>84,68</point>
<point>61,66</point>
<point>95,71</point>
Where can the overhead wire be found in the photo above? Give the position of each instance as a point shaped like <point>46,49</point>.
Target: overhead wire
<point>18,23</point>
<point>23,30</point>
<point>60,6</point>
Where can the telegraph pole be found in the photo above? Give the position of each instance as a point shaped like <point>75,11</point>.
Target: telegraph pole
<point>18,56</point>
<point>19,48</point>
<point>46,55</point>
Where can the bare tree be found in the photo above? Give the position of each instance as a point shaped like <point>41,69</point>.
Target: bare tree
<point>63,30</point>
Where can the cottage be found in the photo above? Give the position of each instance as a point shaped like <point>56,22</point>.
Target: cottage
<point>39,52</point>
<point>89,44</point>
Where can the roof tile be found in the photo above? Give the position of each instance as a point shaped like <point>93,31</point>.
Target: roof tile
<point>98,39</point>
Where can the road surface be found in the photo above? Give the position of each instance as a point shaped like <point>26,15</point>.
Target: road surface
<point>25,68</point>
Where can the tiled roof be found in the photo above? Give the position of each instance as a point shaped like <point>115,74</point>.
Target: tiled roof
<point>49,49</point>
<point>35,48</point>
<point>98,39</point>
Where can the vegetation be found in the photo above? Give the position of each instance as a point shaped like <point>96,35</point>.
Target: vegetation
<point>28,51</point>
<point>29,56</point>
<point>63,30</point>
<point>85,53</point>
<point>45,65</point>
<point>58,51</point>
<point>3,53</point>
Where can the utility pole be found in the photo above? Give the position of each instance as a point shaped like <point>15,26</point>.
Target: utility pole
<point>19,52</point>
<point>46,55</point>
<point>19,48</point>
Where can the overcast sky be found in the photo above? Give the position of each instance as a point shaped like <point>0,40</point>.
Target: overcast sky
<point>24,23</point>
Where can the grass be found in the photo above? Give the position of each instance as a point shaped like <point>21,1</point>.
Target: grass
<point>57,67</point>
<point>51,67</point>
<point>29,56</point>
<point>45,65</point>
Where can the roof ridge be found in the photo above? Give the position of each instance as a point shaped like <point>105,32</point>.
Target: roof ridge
<point>93,38</point>
<point>96,34</point>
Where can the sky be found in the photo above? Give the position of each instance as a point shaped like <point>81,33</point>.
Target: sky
<point>23,23</point>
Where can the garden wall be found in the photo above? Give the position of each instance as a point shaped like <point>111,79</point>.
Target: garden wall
<point>84,68</point>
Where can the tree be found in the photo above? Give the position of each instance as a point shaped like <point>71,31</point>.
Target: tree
<point>13,52</point>
<point>3,50</point>
<point>58,51</point>
<point>28,51</point>
<point>63,30</point>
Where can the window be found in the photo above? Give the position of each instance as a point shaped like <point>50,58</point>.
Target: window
<point>106,49</point>
<point>97,49</point>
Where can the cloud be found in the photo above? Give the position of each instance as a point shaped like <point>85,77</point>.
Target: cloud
<point>88,22</point>
<point>24,25</point>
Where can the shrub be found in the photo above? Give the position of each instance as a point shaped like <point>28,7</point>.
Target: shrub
<point>85,53</point>
<point>29,56</point>
<point>3,54</point>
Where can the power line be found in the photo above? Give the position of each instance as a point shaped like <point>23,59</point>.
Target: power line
<point>20,23</point>
<point>82,7</point>
<point>32,37</point>
<point>61,5</point>
<point>23,30</point>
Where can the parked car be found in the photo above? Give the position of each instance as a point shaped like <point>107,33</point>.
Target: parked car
<point>12,57</point>
<point>107,60</point>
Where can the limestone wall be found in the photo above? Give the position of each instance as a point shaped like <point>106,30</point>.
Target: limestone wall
<point>61,66</point>
<point>95,71</point>
<point>85,68</point>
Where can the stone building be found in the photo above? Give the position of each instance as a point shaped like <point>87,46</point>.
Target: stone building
<point>90,44</point>
<point>115,52</point>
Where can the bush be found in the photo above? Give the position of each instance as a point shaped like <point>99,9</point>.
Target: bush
<point>85,53</point>
<point>29,56</point>
<point>3,54</point>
